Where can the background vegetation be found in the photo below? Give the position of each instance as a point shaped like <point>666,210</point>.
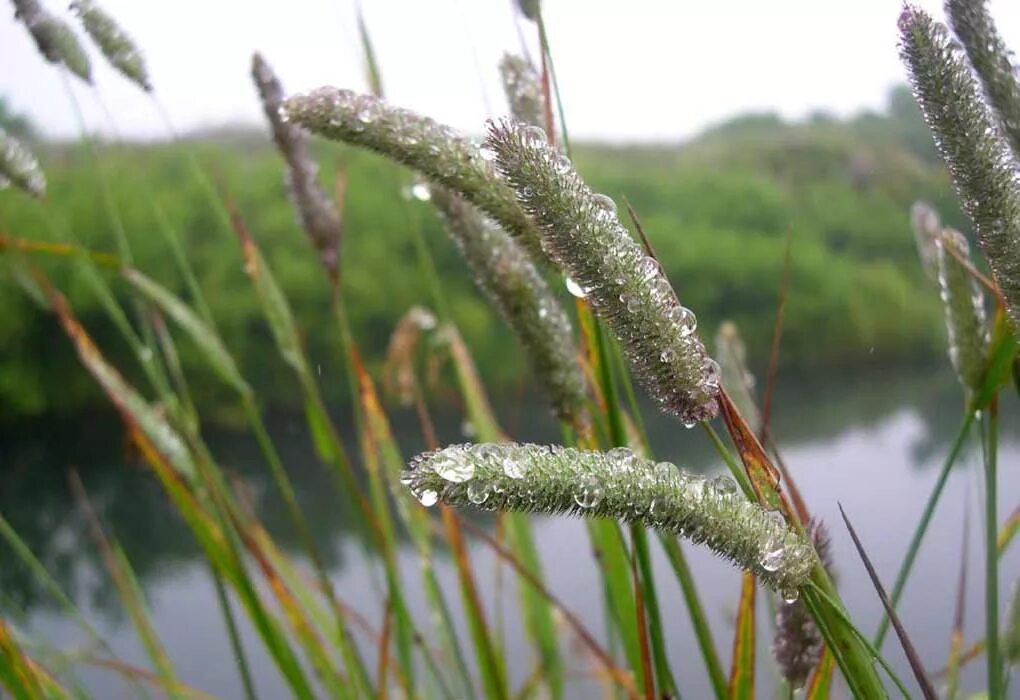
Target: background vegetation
<point>718,210</point>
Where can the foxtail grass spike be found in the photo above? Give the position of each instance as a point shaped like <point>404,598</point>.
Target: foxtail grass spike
<point>436,151</point>
<point>971,144</point>
<point>317,213</point>
<point>523,89</point>
<point>581,232</point>
<point>505,274</point>
<point>964,302</point>
<point>18,167</point>
<point>798,644</point>
<point>54,38</point>
<point>733,372</point>
<point>992,60</point>
<point>114,43</point>
<point>620,485</point>
<point>924,220</point>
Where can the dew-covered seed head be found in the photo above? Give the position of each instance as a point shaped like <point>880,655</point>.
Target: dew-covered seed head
<point>438,152</point>
<point>621,485</point>
<point>506,275</point>
<point>582,234</point>
<point>55,40</point>
<point>114,43</point>
<point>18,167</point>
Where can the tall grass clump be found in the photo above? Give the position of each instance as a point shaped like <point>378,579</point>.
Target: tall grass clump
<point>526,223</point>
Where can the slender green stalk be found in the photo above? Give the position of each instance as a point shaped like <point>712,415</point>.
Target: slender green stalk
<point>235,639</point>
<point>922,525</point>
<point>702,631</point>
<point>990,420</point>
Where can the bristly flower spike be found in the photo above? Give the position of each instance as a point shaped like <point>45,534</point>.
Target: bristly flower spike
<point>54,38</point>
<point>798,644</point>
<point>969,140</point>
<point>114,43</point>
<point>317,213</point>
<point>18,167</point>
<point>992,60</point>
<point>505,274</point>
<point>617,484</point>
<point>964,303</point>
<point>438,152</point>
<point>523,89</point>
<point>581,233</point>
<point>924,220</point>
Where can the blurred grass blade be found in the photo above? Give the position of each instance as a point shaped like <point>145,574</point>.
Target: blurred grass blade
<point>956,635</point>
<point>621,677</point>
<point>61,250</point>
<point>641,621</point>
<point>197,329</point>
<point>702,631</point>
<point>1008,531</point>
<point>23,677</point>
<point>908,648</point>
<point>922,525</point>
<point>490,665</point>
<point>741,680</point>
<point>372,73</point>
<point>821,680</point>
<point>130,592</point>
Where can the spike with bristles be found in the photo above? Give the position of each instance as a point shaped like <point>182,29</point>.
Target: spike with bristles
<point>114,43</point>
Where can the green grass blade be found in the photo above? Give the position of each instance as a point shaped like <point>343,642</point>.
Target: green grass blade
<point>990,440</point>
<point>699,621</point>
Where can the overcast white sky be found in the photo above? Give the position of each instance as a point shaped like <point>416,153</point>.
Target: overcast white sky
<point>634,70</point>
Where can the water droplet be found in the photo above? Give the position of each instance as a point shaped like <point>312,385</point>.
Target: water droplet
<point>664,471</point>
<point>659,509</point>
<point>776,519</point>
<point>724,486</point>
<point>428,498</point>
<point>453,466</point>
<point>514,468</point>
<point>605,203</point>
<point>562,164</point>
<point>284,114</point>
<point>535,134</point>
<point>772,557</point>
<point>662,292</point>
<point>668,356</point>
<point>790,596</point>
<point>478,492</point>
<point>648,268</point>
<point>406,478</point>
<point>588,492</point>
<point>575,289</point>
<point>683,319</point>
<point>631,301</point>
<point>421,192</point>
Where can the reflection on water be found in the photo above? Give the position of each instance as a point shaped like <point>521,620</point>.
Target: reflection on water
<point>873,442</point>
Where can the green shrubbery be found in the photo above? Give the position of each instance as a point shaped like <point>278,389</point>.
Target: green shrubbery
<point>718,211</point>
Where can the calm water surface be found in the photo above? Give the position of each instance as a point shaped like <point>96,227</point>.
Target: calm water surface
<point>871,442</point>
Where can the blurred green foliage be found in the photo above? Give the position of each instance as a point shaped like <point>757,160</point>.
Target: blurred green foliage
<point>718,211</point>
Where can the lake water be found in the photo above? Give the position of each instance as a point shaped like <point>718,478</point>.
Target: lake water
<point>873,442</point>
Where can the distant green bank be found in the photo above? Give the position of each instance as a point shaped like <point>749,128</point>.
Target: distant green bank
<point>718,210</point>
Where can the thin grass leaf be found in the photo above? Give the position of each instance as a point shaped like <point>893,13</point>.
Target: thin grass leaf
<point>908,648</point>
<point>641,623</point>
<point>204,336</point>
<point>1008,531</point>
<point>699,621</point>
<point>372,73</point>
<point>821,680</point>
<point>21,675</point>
<point>130,592</point>
<point>741,680</point>
<point>956,635</point>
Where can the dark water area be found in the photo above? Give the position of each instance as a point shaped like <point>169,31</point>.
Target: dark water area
<point>873,442</point>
